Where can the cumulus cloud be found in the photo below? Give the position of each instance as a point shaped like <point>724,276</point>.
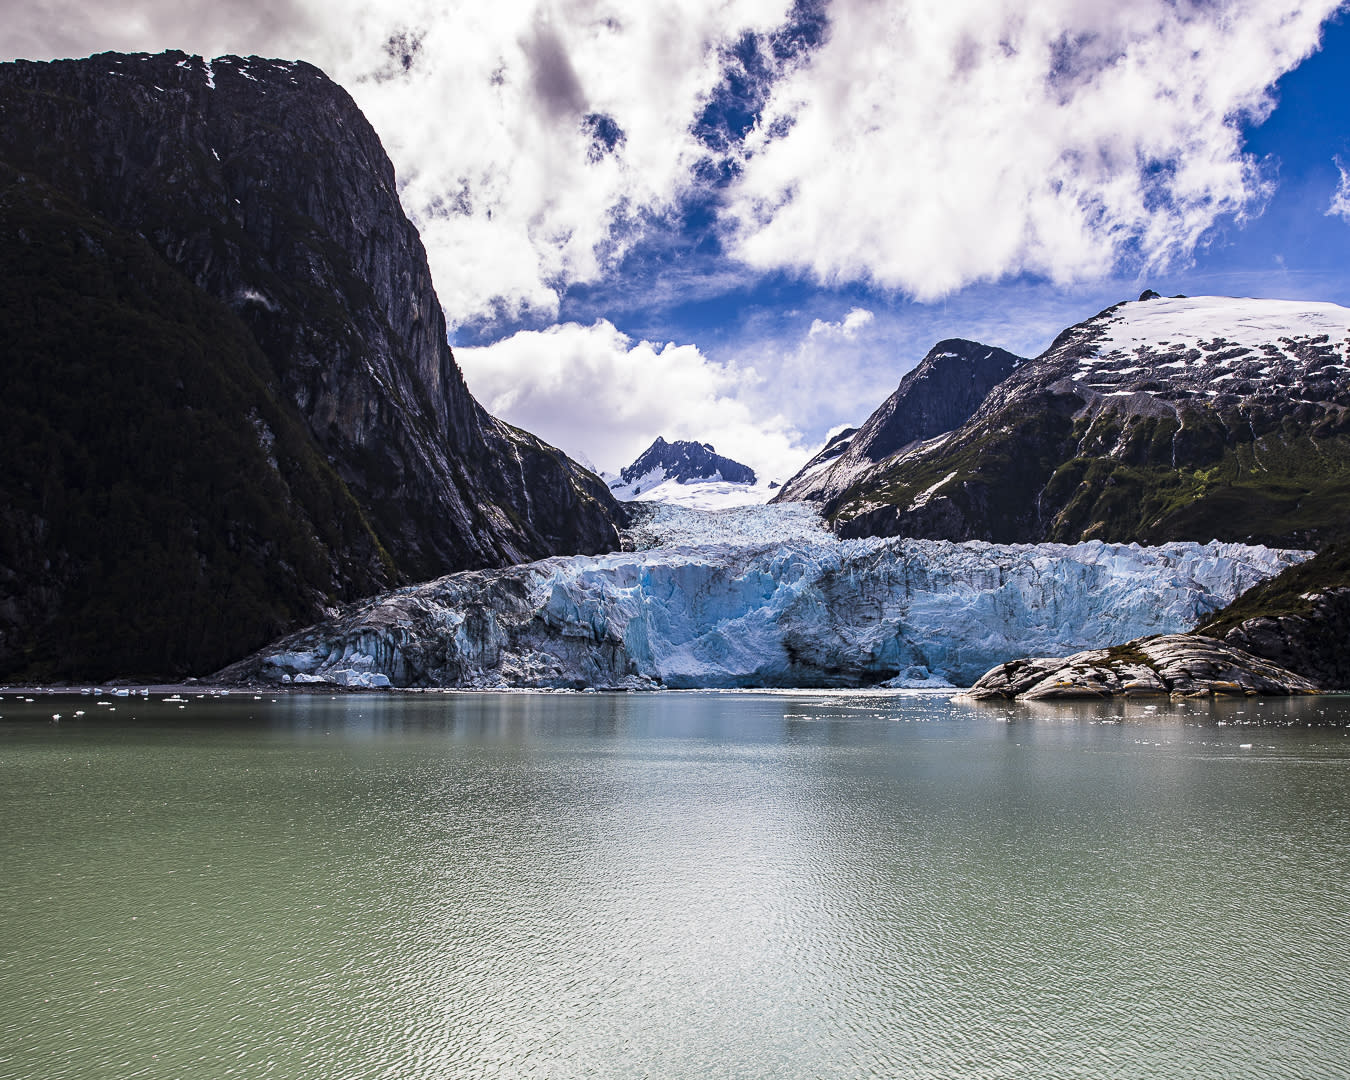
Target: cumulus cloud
<point>602,396</point>
<point>927,146</point>
<point>535,140</point>
<point>596,393</point>
<point>1340,202</point>
<point>915,146</point>
<point>847,328</point>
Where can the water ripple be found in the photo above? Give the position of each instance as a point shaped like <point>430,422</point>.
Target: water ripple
<point>690,885</point>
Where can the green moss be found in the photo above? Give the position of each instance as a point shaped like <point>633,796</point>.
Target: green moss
<point>1129,653</point>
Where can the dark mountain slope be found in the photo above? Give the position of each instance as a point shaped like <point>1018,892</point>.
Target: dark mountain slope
<point>161,503</point>
<point>940,394</point>
<point>1181,419</point>
<point>236,223</point>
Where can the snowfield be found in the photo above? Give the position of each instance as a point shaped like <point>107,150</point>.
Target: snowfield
<point>1238,321</point>
<point>698,494</point>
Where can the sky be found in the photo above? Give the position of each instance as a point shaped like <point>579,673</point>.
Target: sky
<point>742,221</point>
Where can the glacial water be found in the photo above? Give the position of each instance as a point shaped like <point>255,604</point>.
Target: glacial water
<point>672,885</point>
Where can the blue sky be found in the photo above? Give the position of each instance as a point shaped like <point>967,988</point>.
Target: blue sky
<point>1288,247</point>
<point>742,221</point>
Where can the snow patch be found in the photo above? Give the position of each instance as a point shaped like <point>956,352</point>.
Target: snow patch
<point>921,499</point>
<point>1239,321</point>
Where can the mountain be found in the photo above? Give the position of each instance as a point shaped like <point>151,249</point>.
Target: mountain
<point>791,612</point>
<point>942,393</point>
<point>689,474</point>
<point>230,402</point>
<point>1155,420</point>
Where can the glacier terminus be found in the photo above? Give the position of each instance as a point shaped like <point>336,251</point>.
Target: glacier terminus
<point>767,599</point>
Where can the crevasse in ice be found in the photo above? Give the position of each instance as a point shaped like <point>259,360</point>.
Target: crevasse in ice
<point>802,610</point>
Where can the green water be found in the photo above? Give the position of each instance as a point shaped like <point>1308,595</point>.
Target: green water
<point>673,885</point>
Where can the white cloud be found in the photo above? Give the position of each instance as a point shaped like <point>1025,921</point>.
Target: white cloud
<point>594,392</point>
<point>533,138</point>
<point>929,146</point>
<point>1340,202</point>
<point>847,328</point>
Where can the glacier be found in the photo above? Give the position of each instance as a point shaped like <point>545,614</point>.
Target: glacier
<point>785,608</point>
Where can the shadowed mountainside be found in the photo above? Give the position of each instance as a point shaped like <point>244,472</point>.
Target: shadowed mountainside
<point>230,399</point>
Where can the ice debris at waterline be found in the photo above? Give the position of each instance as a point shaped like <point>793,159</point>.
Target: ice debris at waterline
<point>900,611</point>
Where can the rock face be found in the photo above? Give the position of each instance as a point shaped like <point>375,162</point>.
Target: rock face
<point>1299,619</point>
<point>1175,665</point>
<point>680,461</point>
<point>941,394</point>
<point>245,207</point>
<point>1156,420</point>
<point>1314,644</point>
<point>796,613</point>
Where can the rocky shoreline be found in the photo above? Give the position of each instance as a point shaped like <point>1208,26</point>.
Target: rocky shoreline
<point>1175,666</point>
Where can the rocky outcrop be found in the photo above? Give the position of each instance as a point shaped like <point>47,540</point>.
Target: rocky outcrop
<point>1300,619</point>
<point>249,202</point>
<point>1155,420</point>
<point>1315,643</point>
<point>939,395</point>
<point>793,613</point>
<point>1173,665</point>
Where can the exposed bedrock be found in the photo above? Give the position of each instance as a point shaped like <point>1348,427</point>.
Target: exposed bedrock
<point>1171,665</point>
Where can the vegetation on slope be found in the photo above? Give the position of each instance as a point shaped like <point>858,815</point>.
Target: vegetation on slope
<point>1043,474</point>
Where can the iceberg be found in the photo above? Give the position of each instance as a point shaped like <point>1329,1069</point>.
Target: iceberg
<point>808,611</point>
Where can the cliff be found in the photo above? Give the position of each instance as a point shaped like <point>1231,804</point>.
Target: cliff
<point>232,386</point>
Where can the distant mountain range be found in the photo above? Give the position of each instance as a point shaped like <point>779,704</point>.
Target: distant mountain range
<point>688,474</point>
<point>1155,420</point>
<point>229,400</point>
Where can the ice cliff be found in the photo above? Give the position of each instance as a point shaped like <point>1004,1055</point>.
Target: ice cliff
<point>803,611</point>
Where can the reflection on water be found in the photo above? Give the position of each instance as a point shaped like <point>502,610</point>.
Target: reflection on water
<point>711,885</point>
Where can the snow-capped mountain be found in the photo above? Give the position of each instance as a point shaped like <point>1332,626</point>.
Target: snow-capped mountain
<point>803,611</point>
<point>1155,420</point>
<point>688,474</point>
